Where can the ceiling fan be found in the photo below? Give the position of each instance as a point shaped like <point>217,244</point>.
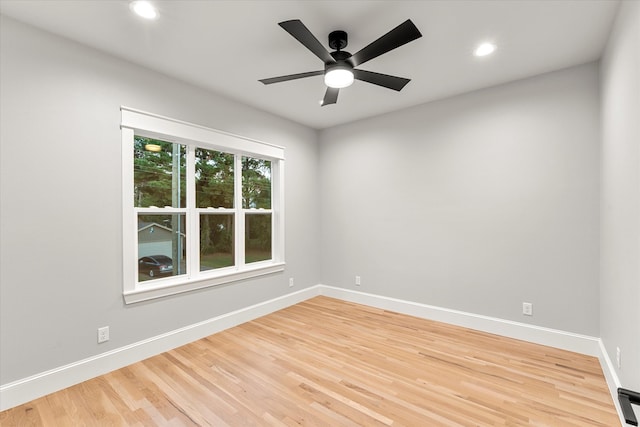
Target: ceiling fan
<point>339,66</point>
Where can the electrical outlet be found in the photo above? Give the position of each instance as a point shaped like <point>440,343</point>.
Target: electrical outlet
<point>103,334</point>
<point>291,282</point>
<point>358,281</point>
<point>618,357</point>
<point>527,309</point>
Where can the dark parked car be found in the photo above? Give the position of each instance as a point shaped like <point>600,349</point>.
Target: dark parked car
<point>155,265</point>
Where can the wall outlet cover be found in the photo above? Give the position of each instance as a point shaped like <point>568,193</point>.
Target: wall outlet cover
<point>103,334</point>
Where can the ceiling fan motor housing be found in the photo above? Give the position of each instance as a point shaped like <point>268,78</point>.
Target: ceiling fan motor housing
<point>342,61</point>
<point>338,40</point>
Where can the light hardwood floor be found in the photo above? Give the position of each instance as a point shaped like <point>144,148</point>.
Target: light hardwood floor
<point>326,362</point>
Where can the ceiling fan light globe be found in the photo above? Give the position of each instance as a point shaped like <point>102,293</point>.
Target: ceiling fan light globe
<point>338,78</point>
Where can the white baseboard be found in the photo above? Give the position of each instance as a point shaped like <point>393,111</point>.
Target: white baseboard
<point>537,334</point>
<point>35,386</point>
<point>610,375</point>
<point>27,389</point>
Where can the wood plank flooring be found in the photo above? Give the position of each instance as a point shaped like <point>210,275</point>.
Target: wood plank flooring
<point>326,362</point>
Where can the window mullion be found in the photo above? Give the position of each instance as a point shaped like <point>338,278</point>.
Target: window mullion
<point>277,209</point>
<point>193,221</point>
<point>239,234</point>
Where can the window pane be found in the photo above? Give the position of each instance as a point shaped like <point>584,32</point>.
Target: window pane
<point>159,173</point>
<point>256,183</point>
<point>257,237</point>
<point>216,241</point>
<point>214,179</point>
<point>161,246</point>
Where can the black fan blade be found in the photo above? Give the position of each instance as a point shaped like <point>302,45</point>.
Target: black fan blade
<point>297,29</point>
<point>330,96</point>
<point>402,34</point>
<point>385,80</point>
<point>291,77</point>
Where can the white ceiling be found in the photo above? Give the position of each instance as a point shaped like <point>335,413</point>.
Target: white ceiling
<point>226,46</point>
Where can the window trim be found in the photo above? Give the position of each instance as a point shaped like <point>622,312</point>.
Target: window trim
<point>136,122</point>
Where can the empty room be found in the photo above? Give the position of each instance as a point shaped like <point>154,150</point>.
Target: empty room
<point>319,213</point>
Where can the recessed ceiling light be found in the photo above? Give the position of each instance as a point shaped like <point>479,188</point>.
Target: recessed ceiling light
<point>144,9</point>
<point>484,49</point>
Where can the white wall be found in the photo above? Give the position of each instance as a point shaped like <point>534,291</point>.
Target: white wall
<point>620,244</point>
<point>61,246</point>
<point>475,203</point>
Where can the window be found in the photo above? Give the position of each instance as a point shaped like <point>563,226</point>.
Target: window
<point>200,207</point>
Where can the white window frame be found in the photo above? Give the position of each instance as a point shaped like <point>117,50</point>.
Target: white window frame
<point>140,123</point>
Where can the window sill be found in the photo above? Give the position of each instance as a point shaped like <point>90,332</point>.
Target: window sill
<point>173,288</point>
